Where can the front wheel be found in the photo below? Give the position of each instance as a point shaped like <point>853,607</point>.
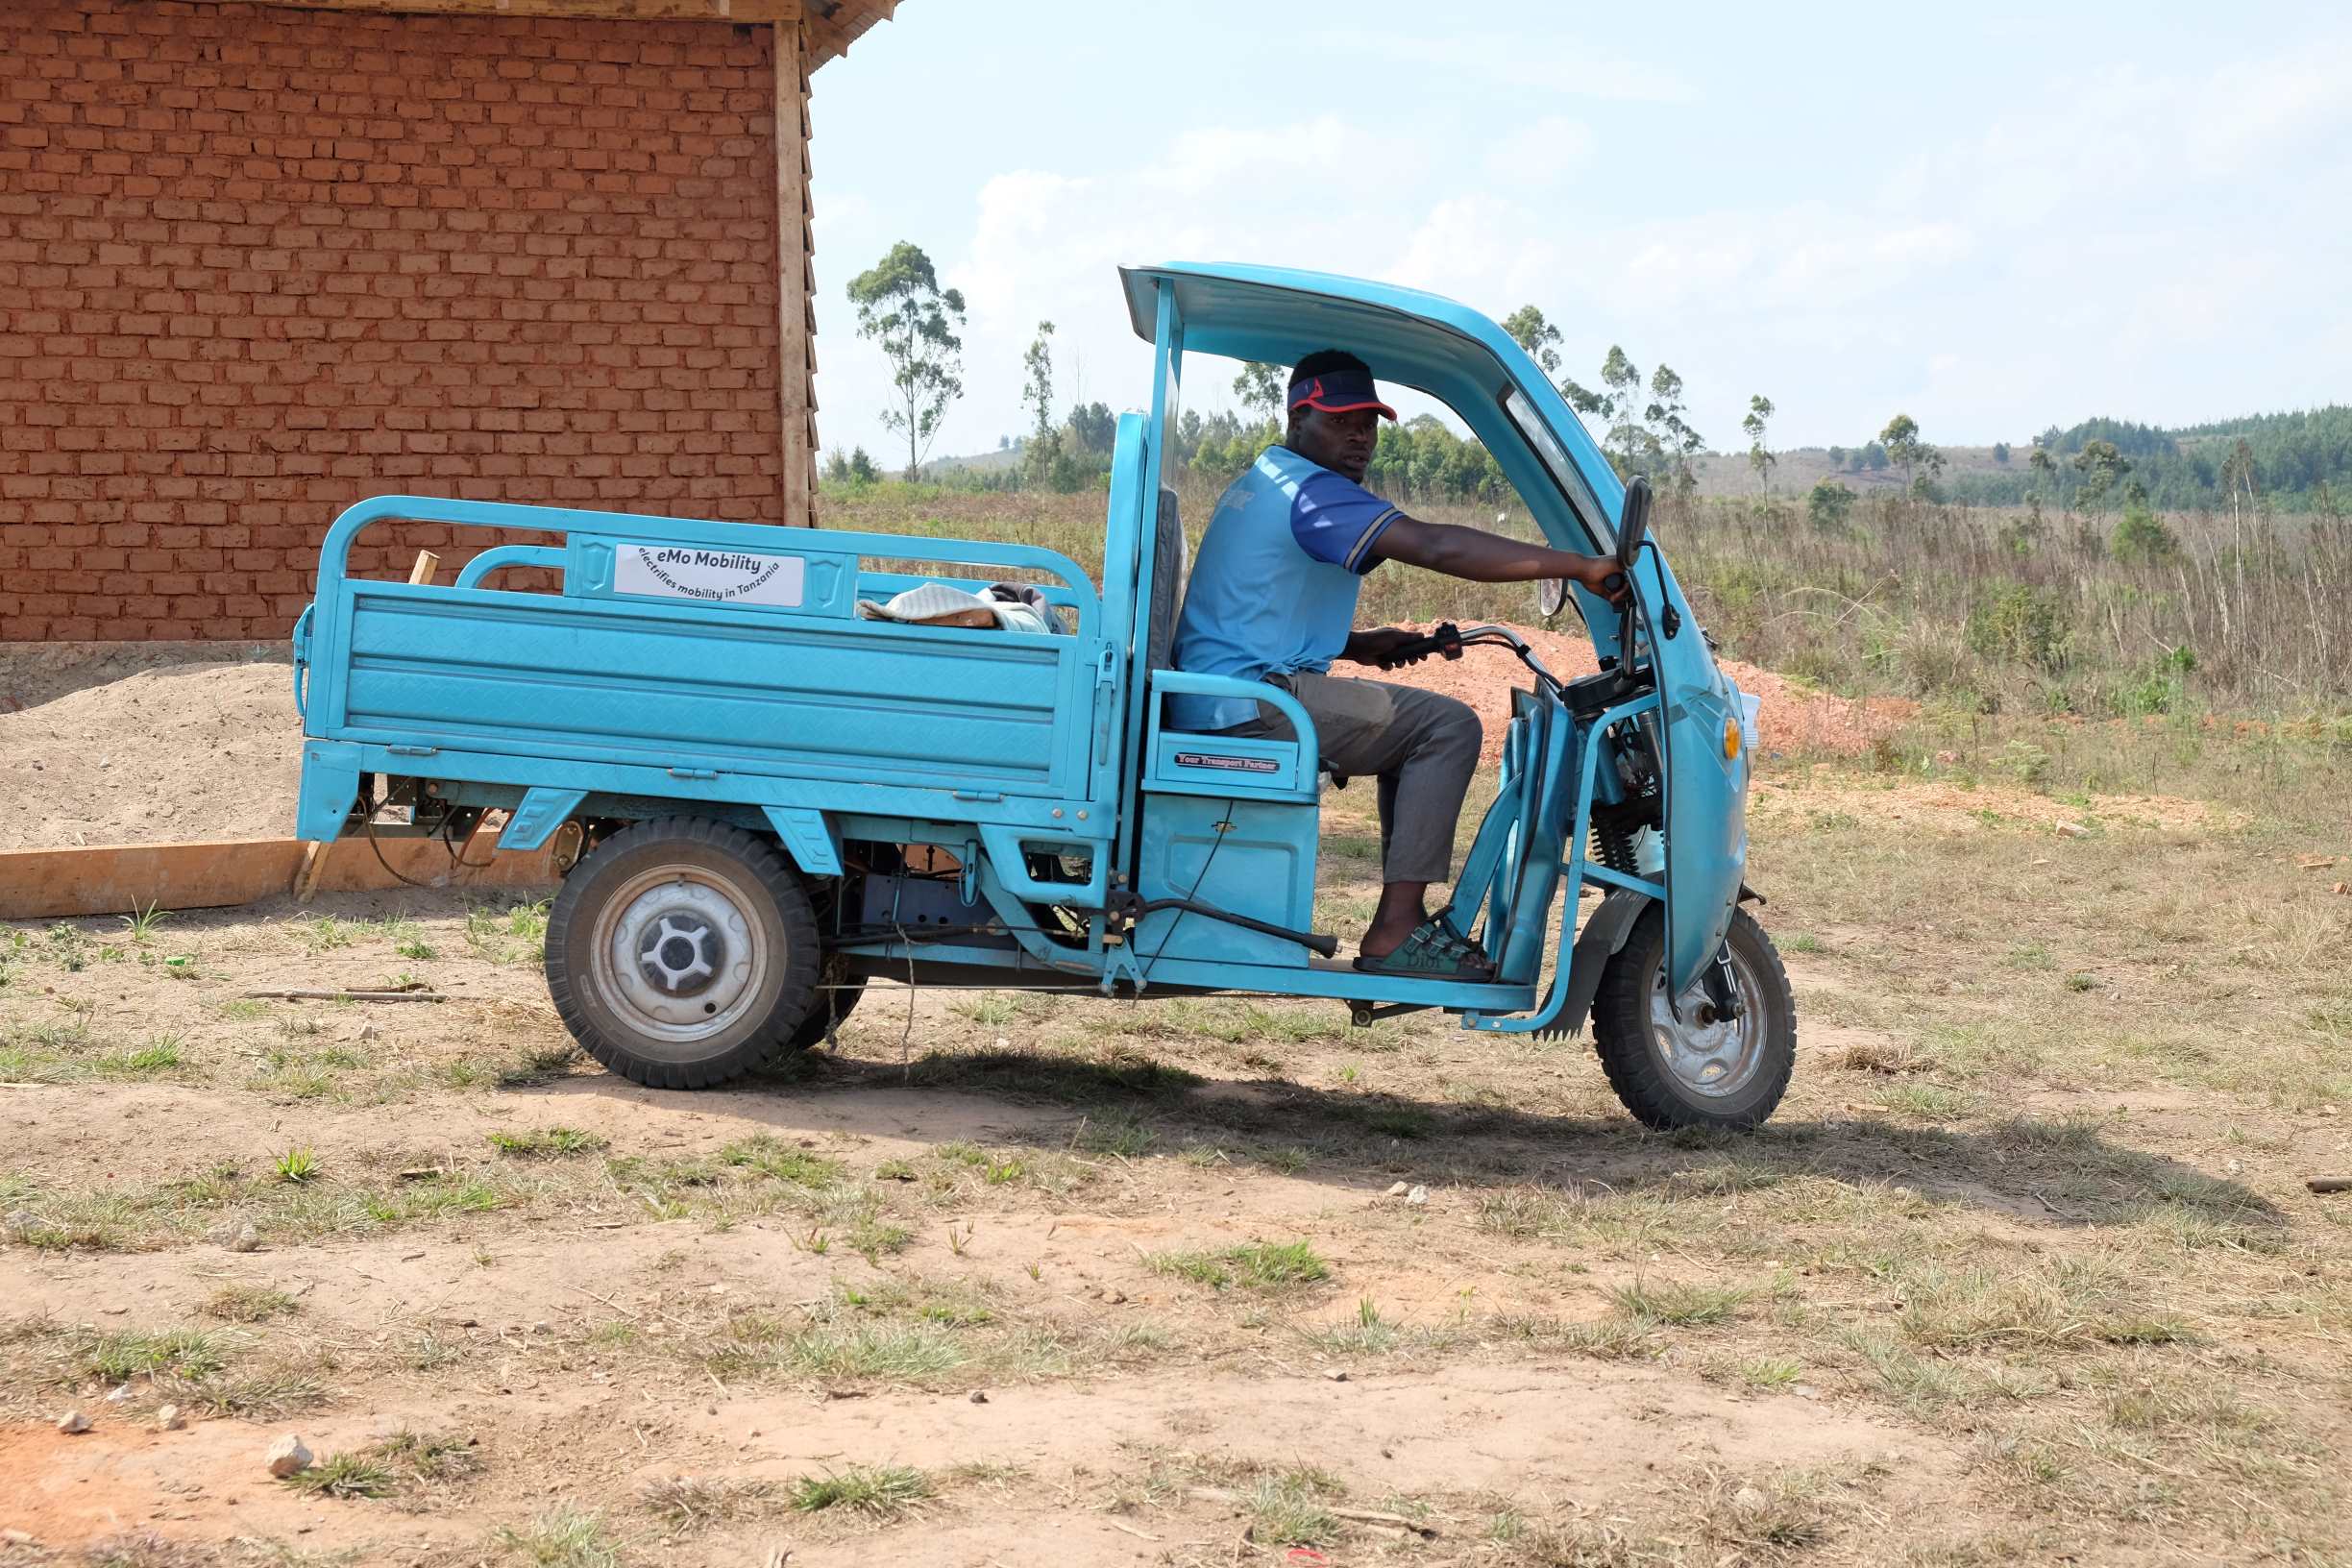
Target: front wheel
<point>683,953</point>
<point>1682,1066</point>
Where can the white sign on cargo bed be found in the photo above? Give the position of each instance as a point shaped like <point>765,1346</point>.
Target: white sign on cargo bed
<point>731,577</point>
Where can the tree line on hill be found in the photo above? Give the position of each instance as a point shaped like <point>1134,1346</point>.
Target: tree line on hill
<point>2298,459</point>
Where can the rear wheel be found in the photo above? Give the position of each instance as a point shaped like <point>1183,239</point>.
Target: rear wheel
<point>1682,1065</point>
<point>683,953</point>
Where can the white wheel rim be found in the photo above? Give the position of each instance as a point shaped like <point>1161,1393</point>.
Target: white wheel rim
<point>1715,1058</point>
<point>677,956</point>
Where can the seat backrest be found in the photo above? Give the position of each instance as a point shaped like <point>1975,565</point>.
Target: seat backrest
<point>1168,580</point>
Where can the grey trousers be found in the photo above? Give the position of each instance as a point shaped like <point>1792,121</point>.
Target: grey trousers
<point>1423,747</point>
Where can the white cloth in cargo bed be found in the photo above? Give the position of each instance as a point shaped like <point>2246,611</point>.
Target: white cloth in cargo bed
<point>1005,606</point>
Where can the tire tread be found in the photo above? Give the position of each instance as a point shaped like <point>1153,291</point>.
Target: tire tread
<point>1622,1038</point>
<point>774,875</point>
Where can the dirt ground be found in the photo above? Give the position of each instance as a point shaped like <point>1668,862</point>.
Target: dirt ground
<point>2023,1270</point>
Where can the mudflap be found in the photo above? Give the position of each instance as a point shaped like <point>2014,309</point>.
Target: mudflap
<point>1604,934</point>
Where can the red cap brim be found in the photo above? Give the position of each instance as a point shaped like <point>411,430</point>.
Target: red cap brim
<point>1345,407</point>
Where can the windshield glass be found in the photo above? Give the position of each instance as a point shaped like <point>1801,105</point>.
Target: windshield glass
<point>1581,498</point>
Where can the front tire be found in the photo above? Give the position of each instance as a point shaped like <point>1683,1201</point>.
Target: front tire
<point>1673,1068</point>
<point>683,953</point>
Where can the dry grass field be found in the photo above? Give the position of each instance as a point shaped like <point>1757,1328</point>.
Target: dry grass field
<point>2026,1269</point>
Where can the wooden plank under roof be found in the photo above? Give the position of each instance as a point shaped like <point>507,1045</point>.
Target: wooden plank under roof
<point>833,25</point>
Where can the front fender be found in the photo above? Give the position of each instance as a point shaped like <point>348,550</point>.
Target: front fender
<point>1603,935</point>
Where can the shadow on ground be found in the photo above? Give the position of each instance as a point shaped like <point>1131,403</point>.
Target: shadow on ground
<point>2059,1174</point>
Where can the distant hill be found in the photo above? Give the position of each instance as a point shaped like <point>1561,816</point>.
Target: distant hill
<point>2294,456</point>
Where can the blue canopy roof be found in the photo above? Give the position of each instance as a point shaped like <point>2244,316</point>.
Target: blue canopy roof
<point>1276,315</point>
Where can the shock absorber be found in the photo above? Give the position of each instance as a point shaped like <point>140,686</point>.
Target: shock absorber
<point>1612,842</point>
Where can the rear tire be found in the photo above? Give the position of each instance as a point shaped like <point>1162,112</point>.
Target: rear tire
<point>1671,1070</point>
<point>683,953</point>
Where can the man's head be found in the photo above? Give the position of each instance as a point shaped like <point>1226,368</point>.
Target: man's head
<point>1334,412</point>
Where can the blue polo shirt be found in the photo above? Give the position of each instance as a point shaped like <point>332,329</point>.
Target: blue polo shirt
<point>1274,589</point>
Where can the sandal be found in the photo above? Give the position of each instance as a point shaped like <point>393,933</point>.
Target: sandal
<point>1434,951</point>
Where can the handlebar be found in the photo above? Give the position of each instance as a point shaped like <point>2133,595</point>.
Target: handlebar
<point>1449,640</point>
<point>1446,640</point>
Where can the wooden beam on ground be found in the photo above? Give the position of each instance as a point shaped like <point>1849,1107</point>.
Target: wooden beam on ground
<point>792,282</point>
<point>115,879</point>
<point>625,10</point>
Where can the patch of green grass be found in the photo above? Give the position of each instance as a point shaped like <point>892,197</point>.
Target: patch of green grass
<point>1771,1371</point>
<point>1123,1135</point>
<point>139,924</point>
<point>991,1010</point>
<point>547,1143</point>
<point>1372,1335</point>
<point>325,934</point>
<point>246,1304</point>
<point>1677,1305</point>
<point>298,1165</point>
<point>161,1054</point>
<point>514,935</point>
<point>561,1537</point>
<point>428,1458</point>
<point>407,937</point>
<point>770,1156</point>
<point>886,1352</point>
<point>1289,1508</point>
<point>181,1353</point>
<point>1608,1339</point>
<point>1929,1102</point>
<point>879,1491</point>
<point>244,1009</point>
<point>263,1394</point>
<point>1258,1265</point>
<point>349,1475</point>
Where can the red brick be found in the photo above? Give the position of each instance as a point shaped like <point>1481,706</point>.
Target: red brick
<point>287,258</point>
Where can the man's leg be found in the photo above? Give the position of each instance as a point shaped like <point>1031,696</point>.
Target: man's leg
<point>1423,747</point>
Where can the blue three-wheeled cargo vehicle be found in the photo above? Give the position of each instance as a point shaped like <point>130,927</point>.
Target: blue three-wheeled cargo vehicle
<point>763,793</point>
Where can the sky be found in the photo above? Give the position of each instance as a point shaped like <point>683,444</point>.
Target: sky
<point>2031,217</point>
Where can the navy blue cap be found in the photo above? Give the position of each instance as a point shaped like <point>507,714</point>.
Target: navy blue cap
<point>1339,392</point>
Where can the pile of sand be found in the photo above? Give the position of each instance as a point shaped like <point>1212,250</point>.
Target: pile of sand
<point>146,744</point>
<point>130,744</point>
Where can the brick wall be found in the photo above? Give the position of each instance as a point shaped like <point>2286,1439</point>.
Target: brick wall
<point>256,264</point>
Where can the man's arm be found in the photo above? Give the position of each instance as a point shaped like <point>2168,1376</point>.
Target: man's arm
<point>1479,557</point>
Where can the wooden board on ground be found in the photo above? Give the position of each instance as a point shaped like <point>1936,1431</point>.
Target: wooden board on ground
<point>115,879</point>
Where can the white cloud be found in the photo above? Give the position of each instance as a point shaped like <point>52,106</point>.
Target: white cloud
<point>1542,153</point>
<point>1533,62</point>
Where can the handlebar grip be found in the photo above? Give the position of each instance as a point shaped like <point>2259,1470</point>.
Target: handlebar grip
<point>1613,583</point>
<point>1445,640</point>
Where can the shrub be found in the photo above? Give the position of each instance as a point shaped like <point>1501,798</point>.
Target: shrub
<point>1829,505</point>
<point>2140,535</point>
<point>2017,623</point>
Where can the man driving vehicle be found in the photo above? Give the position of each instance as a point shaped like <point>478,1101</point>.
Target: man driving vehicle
<point>1272,598</point>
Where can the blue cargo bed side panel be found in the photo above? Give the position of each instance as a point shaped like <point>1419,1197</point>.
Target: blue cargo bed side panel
<point>613,681</point>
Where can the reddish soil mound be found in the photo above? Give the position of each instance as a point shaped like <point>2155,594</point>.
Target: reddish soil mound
<point>1790,721</point>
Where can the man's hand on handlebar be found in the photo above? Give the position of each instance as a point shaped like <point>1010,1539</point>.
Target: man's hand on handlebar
<point>1391,648</point>
<point>1601,574</point>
